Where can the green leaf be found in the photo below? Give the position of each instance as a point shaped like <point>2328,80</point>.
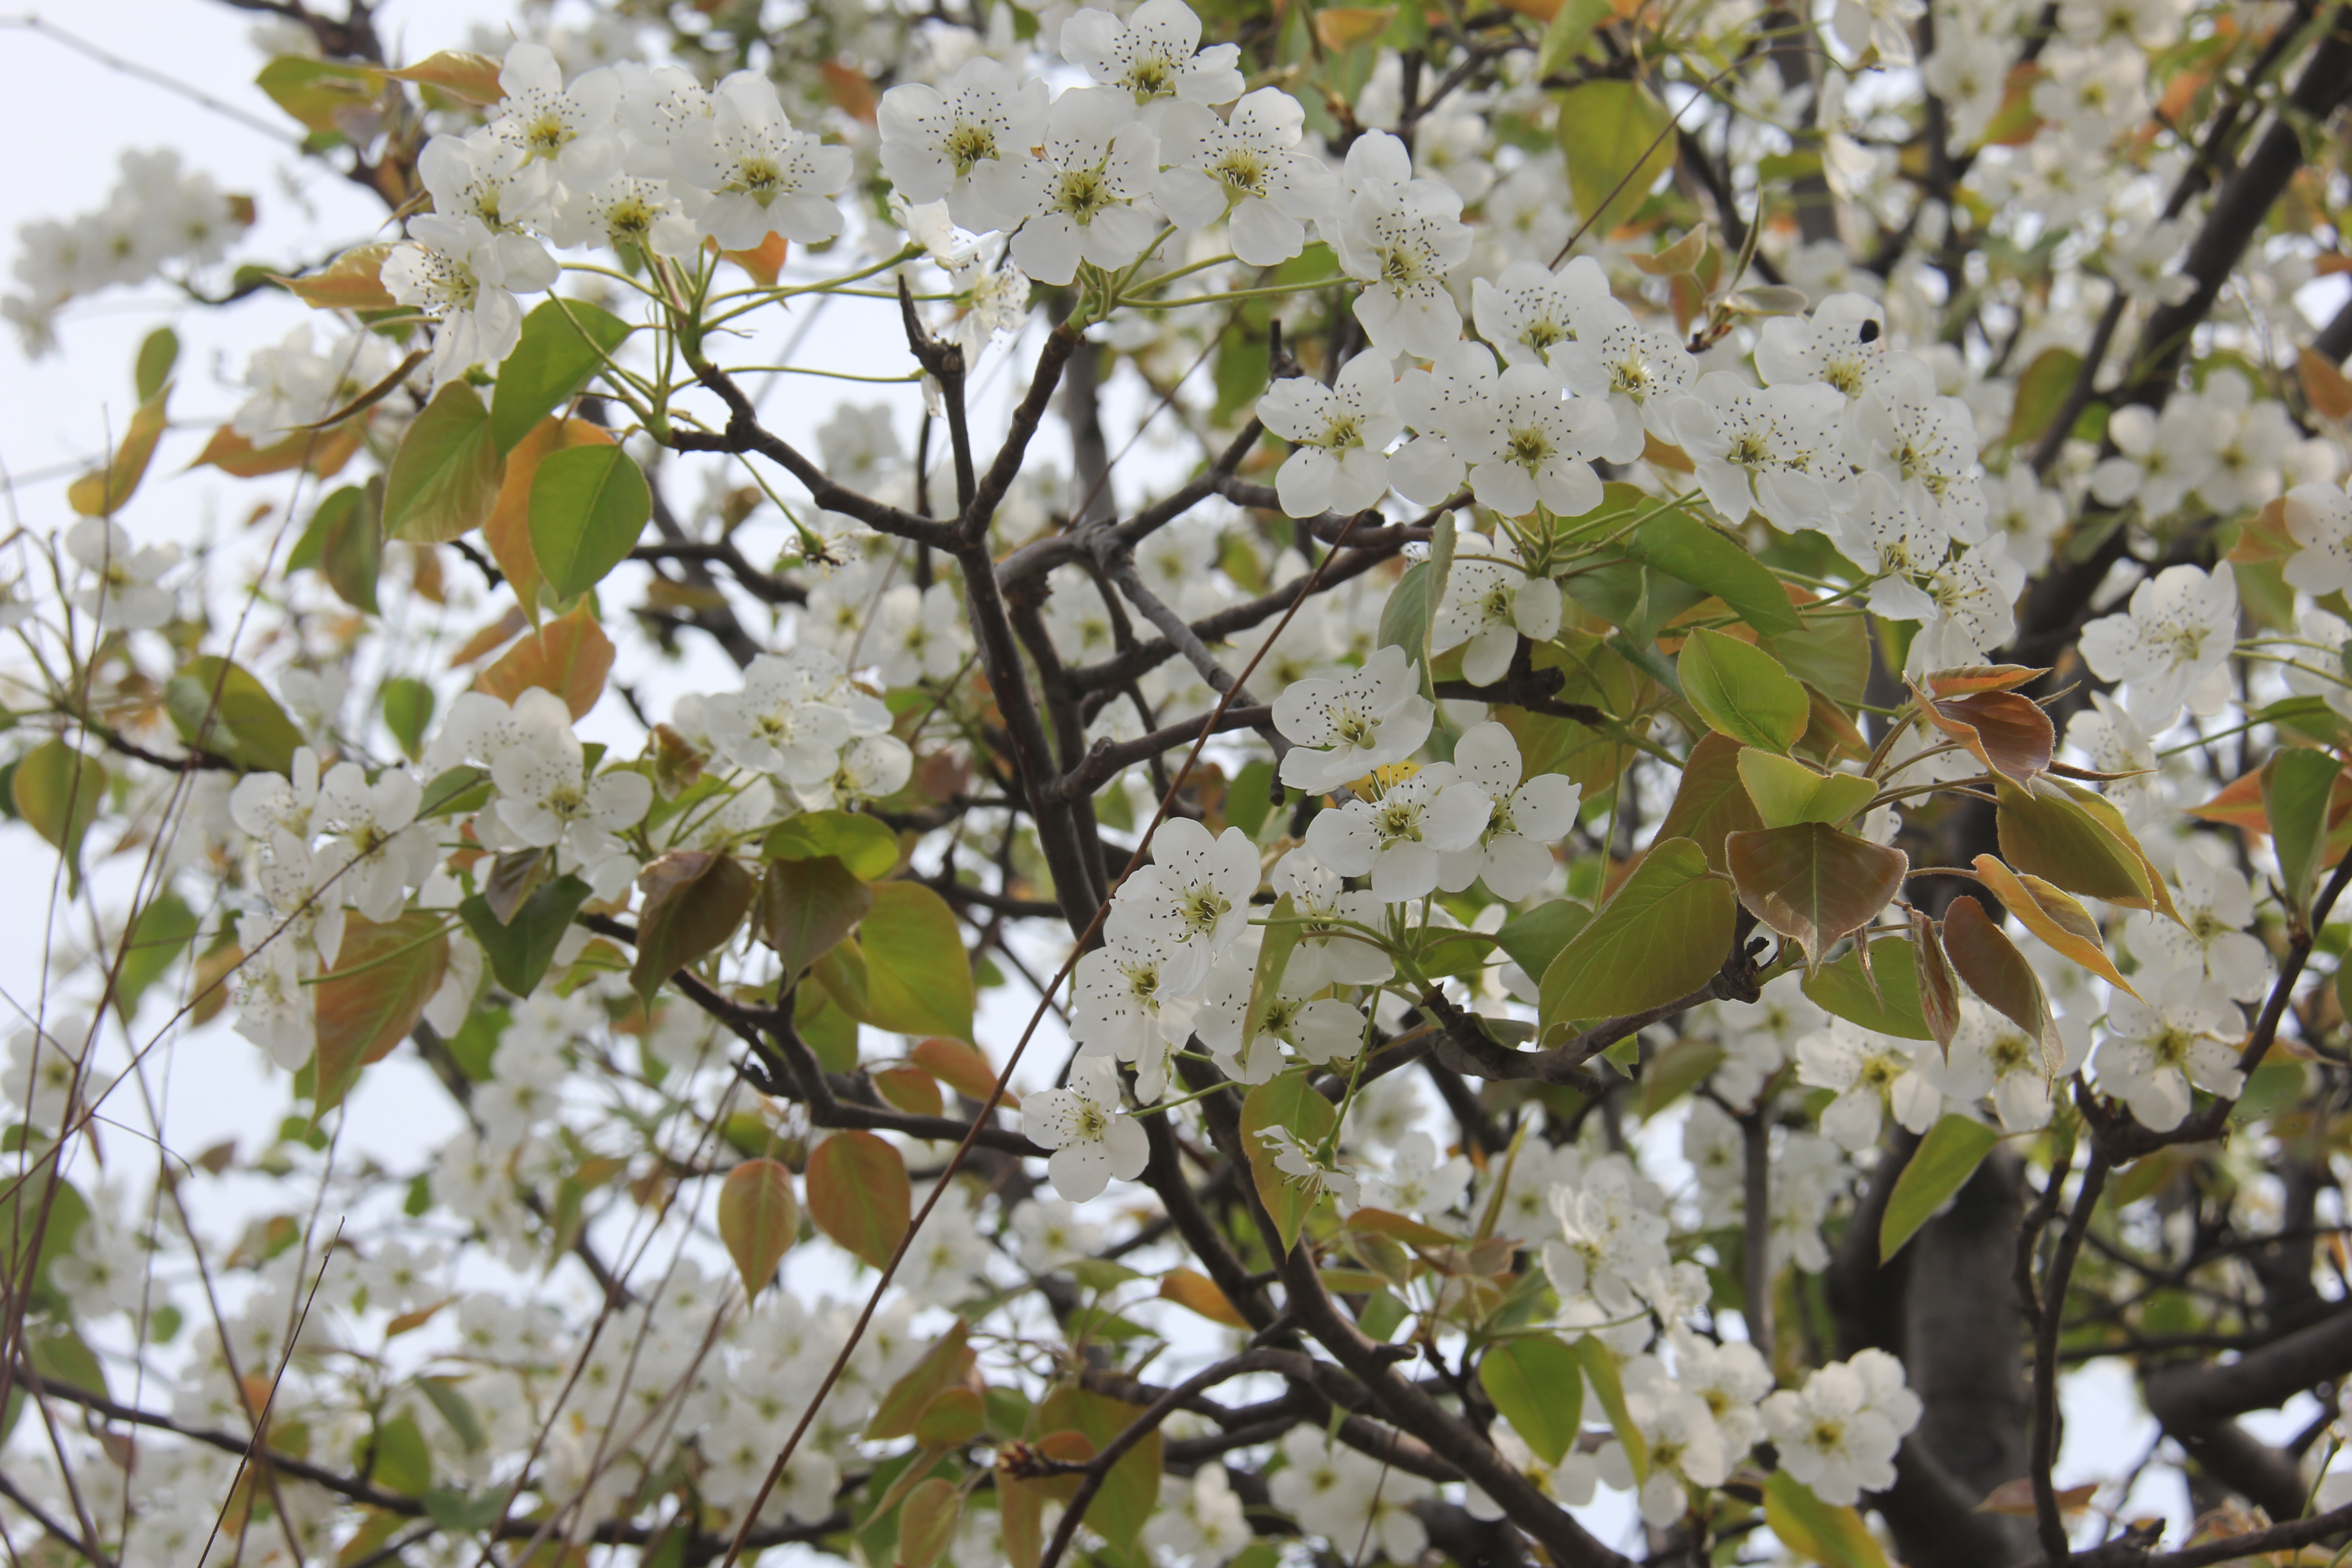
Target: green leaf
<point>1666,930</point>
<point>563,342</point>
<point>917,978</point>
<point>158,353</point>
<point>2296,788</point>
<point>1742,691</point>
<point>864,844</point>
<point>1405,618</point>
<point>244,725</point>
<point>1813,884</point>
<point>444,476</point>
<point>1566,36</point>
<point>1682,547</point>
<point>1132,1491</point>
<point>1538,1384</point>
<point>1786,792</point>
<point>520,949</point>
<point>694,901</point>
<point>1893,1009</point>
<point>927,1522</point>
<point>58,791</point>
<point>1676,1071</point>
<point>350,543</point>
<point>1287,1100</point>
<point>397,1457</point>
<point>942,1367</point>
<point>1947,1157</point>
<point>1831,654</point>
<point>588,504</point>
<point>457,1410</point>
<point>758,1219</point>
<point>2041,392</point>
<point>858,1194</point>
<point>1533,938</point>
<point>408,705</point>
<point>158,937</point>
<point>1618,140</point>
<point>317,92</point>
<point>382,977</point>
<point>2052,837</point>
<point>808,906</point>
<point>1600,1369</point>
<point>1815,1530</point>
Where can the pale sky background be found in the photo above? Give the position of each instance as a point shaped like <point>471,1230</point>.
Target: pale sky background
<point>66,120</point>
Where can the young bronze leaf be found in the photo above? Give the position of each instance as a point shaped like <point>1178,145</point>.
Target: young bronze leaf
<point>1939,989</point>
<point>1966,679</point>
<point>2055,917</point>
<point>807,906</point>
<point>2009,734</point>
<point>758,1219</point>
<point>570,655</point>
<point>941,1367</point>
<point>1812,884</point>
<point>2001,976</point>
<point>858,1194</point>
<point>694,901</point>
<point>383,976</point>
<point>1711,803</point>
<point>927,1522</point>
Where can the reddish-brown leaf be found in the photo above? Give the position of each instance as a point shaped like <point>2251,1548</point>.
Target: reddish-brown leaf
<point>1963,679</point>
<point>382,977</point>
<point>1813,884</point>
<point>1940,990</point>
<point>1199,1293</point>
<point>2001,976</point>
<point>2009,734</point>
<point>352,281</point>
<point>694,901</point>
<point>961,1067</point>
<point>858,1194</point>
<point>460,74</point>
<point>758,1219</point>
<point>570,655</point>
<point>911,1090</point>
<point>1710,802</point>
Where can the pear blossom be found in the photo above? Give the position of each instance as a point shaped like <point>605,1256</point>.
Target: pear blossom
<point>1342,728</point>
<point>264,803</point>
<point>2319,516</point>
<point>1350,1499</point>
<point>1992,1055</point>
<point>1416,1181</point>
<point>921,634</point>
<point>1842,342</point>
<point>46,1070</point>
<point>1870,1072</point>
<point>2171,647</point>
<point>482,175</point>
<point>2183,1036</point>
<point>625,211</point>
<point>1401,840</point>
<point>1639,373</point>
<point>1490,603</point>
<point>1339,435</point>
<point>568,126</point>
<point>1402,238</point>
<point>2159,459</point>
<point>1524,818</point>
<point>1087,198</point>
<point>380,851</point>
<point>1838,1435</point>
<point>1091,1138</point>
<point>2210,939</point>
<point>1152,53</point>
<point>1927,445</point>
<point>744,173</point>
<point>1974,599</point>
<point>124,594</point>
<point>781,722</point>
<point>457,271</point>
<point>1530,310</point>
<point>1329,952</point>
<point>934,142</point>
<point>1610,1235</point>
<point>1206,1522</point>
<point>1248,1041</point>
<point>1119,1004</point>
<point>545,797</point>
<point>1194,896</point>
<point>1245,168</point>
<point>1764,449</point>
<point>1308,1170</point>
